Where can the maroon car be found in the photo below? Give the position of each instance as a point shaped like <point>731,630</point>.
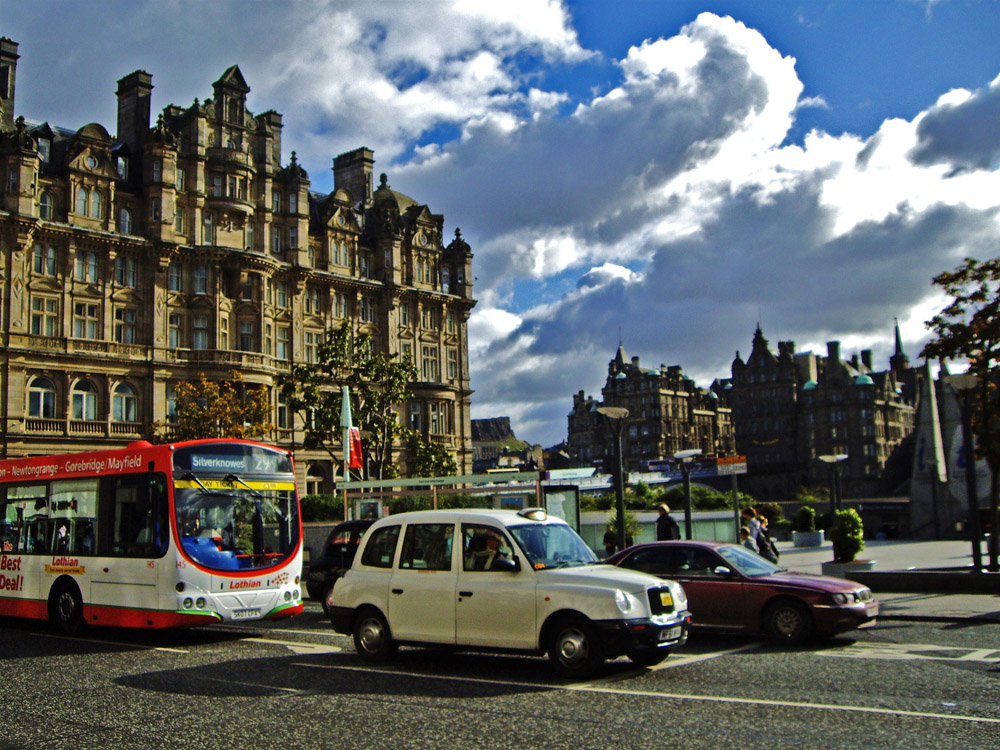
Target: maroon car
<point>729,587</point>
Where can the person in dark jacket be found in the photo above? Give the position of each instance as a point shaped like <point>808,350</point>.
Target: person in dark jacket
<point>666,527</point>
<point>765,546</point>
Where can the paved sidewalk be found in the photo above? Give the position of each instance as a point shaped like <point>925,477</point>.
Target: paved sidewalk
<point>910,556</point>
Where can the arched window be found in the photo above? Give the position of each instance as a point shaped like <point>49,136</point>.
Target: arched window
<point>84,401</point>
<point>124,221</point>
<point>42,399</point>
<point>82,199</point>
<point>45,206</point>
<point>126,404</point>
<point>95,204</point>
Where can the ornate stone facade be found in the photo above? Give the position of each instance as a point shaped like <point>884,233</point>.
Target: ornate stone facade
<point>790,408</point>
<point>667,413</point>
<point>184,246</point>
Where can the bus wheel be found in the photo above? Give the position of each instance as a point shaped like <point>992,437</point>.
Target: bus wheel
<point>66,607</point>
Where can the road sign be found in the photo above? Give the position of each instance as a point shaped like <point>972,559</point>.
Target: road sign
<point>731,465</point>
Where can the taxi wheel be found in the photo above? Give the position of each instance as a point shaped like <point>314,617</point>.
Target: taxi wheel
<point>66,608</point>
<point>372,638</point>
<point>574,650</point>
<point>788,621</point>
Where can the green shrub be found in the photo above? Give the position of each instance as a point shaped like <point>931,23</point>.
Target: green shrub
<point>772,512</point>
<point>320,508</point>
<point>805,519</point>
<point>847,535</point>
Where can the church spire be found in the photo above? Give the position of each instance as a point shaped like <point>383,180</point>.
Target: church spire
<point>899,361</point>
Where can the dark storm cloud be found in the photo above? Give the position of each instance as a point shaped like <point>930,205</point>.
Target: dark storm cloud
<point>965,134</point>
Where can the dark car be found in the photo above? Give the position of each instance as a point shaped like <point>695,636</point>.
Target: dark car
<point>732,588</point>
<point>335,557</point>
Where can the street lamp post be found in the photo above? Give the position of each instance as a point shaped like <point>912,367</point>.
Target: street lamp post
<point>836,493</point>
<point>685,458</point>
<point>616,415</point>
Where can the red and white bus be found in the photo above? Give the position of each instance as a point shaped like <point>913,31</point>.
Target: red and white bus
<point>151,536</point>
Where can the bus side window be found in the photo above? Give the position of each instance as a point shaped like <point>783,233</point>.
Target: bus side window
<point>139,521</point>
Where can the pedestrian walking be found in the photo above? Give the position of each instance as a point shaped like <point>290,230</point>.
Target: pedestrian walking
<point>666,527</point>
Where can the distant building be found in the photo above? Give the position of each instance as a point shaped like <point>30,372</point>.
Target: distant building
<point>495,446</point>
<point>667,413</point>
<point>789,409</point>
<point>187,244</point>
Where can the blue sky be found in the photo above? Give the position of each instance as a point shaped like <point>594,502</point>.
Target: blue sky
<point>667,174</point>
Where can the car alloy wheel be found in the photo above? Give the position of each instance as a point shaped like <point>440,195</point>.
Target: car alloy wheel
<point>788,621</point>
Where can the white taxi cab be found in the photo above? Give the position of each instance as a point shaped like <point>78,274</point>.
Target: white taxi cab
<point>502,580</point>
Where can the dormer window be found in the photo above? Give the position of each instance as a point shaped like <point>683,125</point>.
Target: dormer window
<point>90,161</point>
<point>45,149</point>
<point>121,165</point>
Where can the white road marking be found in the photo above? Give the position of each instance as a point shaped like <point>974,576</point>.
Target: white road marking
<point>597,688</point>
<point>914,652</point>
<point>299,648</point>
<point>139,647</point>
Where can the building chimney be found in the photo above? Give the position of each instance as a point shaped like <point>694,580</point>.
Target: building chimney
<point>134,93</point>
<point>833,351</point>
<point>353,172</point>
<point>8,76</point>
<point>866,358</point>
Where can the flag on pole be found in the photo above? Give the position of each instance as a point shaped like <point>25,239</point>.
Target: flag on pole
<point>354,462</point>
<point>352,435</point>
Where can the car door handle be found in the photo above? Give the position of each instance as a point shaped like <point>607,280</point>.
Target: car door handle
<point>397,591</point>
<point>465,593</point>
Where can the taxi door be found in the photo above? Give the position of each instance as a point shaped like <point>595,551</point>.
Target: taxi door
<point>421,603</point>
<point>495,605</point>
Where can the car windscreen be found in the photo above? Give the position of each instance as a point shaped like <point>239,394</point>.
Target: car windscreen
<point>747,562</point>
<point>553,545</point>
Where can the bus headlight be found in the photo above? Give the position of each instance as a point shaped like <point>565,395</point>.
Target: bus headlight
<point>179,587</point>
<point>288,596</point>
<point>296,594</point>
<point>200,603</point>
<point>188,602</point>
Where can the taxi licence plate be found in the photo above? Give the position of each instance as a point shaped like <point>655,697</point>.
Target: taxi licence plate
<point>666,599</point>
<point>671,634</point>
<point>242,614</point>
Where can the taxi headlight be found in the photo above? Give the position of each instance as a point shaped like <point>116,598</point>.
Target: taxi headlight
<point>623,601</point>
<point>680,598</point>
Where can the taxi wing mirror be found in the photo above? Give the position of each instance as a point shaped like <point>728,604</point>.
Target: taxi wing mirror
<point>505,564</point>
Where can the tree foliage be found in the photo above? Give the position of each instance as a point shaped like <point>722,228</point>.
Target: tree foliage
<point>378,383</point>
<point>218,409</point>
<point>428,458</point>
<point>968,328</point>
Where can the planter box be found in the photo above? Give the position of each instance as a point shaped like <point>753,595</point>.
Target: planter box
<point>847,569</point>
<point>807,538</point>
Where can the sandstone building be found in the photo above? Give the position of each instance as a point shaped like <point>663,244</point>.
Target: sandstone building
<point>667,413</point>
<point>791,408</point>
<point>186,245</point>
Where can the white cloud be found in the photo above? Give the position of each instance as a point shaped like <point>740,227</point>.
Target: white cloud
<point>669,208</point>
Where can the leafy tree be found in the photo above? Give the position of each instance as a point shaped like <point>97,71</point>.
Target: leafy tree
<point>218,409</point>
<point>969,329</point>
<point>378,383</point>
<point>428,458</point>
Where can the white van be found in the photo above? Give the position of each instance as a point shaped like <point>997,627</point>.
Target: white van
<point>502,580</point>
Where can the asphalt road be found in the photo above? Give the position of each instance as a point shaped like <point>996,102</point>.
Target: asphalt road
<point>296,684</point>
